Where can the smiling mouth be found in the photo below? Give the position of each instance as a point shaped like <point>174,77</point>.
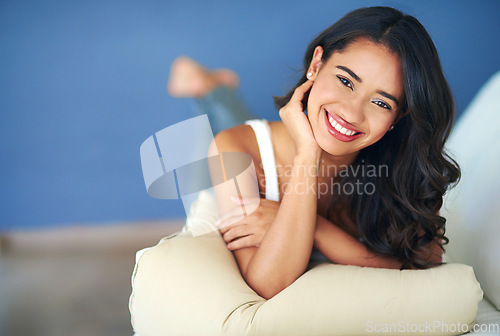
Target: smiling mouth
<point>340,132</point>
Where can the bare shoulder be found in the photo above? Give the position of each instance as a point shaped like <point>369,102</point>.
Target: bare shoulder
<point>240,138</point>
<point>243,137</point>
<point>237,138</point>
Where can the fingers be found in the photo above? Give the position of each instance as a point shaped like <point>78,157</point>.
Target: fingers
<point>236,232</point>
<point>226,228</point>
<point>299,92</point>
<point>244,242</point>
<point>295,104</point>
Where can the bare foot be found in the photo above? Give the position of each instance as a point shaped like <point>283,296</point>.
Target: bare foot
<point>190,79</point>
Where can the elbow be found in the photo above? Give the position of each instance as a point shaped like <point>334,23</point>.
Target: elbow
<point>266,286</point>
<point>266,294</point>
<point>265,289</point>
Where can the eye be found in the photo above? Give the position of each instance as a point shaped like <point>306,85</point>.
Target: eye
<point>345,82</point>
<point>381,104</point>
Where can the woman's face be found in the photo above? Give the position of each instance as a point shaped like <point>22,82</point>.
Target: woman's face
<point>355,98</point>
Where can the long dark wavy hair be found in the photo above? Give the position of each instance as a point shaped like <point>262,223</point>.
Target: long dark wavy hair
<point>402,217</point>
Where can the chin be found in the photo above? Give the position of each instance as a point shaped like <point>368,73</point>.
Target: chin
<point>331,147</point>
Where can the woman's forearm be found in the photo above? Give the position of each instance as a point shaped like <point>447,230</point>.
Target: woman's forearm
<point>284,252</point>
<point>341,248</point>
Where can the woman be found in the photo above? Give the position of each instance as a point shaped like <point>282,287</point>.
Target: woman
<point>376,101</point>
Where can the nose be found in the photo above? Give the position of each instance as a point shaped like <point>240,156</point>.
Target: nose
<point>352,111</point>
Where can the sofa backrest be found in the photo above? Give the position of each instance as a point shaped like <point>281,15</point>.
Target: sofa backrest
<point>472,208</point>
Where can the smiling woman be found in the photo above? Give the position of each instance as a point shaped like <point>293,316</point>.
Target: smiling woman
<point>372,93</point>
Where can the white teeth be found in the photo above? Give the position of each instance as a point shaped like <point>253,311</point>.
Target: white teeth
<point>339,128</point>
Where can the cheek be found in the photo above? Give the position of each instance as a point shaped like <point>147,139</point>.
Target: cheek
<point>321,93</point>
<point>379,125</point>
<point>313,94</point>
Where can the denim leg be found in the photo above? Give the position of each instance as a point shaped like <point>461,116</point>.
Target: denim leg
<point>224,109</point>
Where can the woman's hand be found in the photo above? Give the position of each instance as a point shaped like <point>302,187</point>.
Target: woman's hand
<point>249,231</point>
<point>297,123</point>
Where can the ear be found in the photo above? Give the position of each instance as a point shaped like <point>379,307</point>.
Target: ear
<point>315,64</point>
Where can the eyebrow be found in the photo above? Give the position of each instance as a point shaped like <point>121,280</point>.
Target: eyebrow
<point>356,77</point>
<point>389,96</point>
<point>350,72</point>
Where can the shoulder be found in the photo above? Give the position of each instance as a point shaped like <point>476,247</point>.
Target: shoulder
<point>238,138</point>
<point>242,138</point>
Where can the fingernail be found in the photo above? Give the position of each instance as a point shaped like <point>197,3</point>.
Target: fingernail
<point>229,246</point>
<point>217,222</point>
<point>236,200</point>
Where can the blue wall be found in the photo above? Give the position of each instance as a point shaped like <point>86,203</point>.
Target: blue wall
<point>82,85</point>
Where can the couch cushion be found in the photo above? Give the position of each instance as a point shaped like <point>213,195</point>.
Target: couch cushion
<point>192,286</point>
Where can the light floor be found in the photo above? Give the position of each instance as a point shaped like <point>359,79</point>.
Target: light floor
<point>72,281</point>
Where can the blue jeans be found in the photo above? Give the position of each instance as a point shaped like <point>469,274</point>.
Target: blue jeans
<point>224,109</point>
